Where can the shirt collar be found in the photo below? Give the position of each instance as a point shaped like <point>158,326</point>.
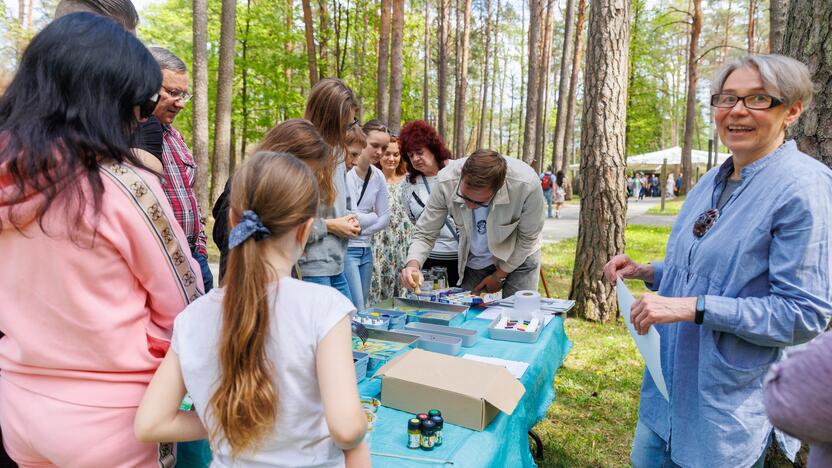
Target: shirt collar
<point>727,168</point>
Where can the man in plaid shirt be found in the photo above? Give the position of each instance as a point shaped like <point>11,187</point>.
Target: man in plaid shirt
<point>177,161</point>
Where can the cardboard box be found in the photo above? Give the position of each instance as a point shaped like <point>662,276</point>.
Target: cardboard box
<point>469,393</point>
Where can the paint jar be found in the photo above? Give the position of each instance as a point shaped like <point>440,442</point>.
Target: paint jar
<point>422,417</point>
<point>434,412</point>
<point>428,434</point>
<point>414,433</point>
<point>439,424</point>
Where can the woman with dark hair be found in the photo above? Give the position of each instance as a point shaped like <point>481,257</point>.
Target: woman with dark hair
<point>559,193</point>
<point>99,270</point>
<point>425,152</point>
<point>390,245</point>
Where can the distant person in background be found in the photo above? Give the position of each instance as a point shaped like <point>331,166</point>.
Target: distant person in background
<point>679,184</point>
<point>638,187</point>
<point>547,183</point>
<point>669,185</point>
<point>355,140</point>
<point>390,244</point>
<point>178,163</point>
<point>559,192</point>
<point>122,11</point>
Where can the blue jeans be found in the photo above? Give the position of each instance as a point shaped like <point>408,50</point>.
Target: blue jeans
<point>651,451</point>
<point>207,276</point>
<point>338,282</point>
<point>547,194</point>
<point>358,268</point>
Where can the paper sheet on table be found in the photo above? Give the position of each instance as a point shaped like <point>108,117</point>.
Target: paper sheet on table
<point>495,311</point>
<point>517,368</point>
<point>649,345</point>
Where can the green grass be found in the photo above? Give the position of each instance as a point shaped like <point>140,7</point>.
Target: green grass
<point>591,422</point>
<point>671,207</point>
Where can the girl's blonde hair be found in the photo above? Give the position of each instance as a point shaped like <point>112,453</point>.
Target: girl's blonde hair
<point>282,191</point>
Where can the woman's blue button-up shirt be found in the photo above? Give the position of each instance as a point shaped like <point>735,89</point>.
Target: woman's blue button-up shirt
<point>764,268</point>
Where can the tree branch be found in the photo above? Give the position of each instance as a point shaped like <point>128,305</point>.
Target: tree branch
<point>715,48</point>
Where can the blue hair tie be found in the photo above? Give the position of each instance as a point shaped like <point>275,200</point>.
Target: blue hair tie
<point>249,226</point>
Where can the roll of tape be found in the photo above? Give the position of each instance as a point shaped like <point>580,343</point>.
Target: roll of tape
<point>526,305</point>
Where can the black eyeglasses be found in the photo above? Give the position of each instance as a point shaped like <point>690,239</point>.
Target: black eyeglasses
<point>705,222</point>
<point>353,124</point>
<point>146,108</point>
<point>752,101</point>
<point>478,203</point>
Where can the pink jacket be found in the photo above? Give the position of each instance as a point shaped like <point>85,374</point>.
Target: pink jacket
<point>88,320</point>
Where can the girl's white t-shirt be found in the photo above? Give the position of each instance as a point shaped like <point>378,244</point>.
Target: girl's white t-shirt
<point>302,314</point>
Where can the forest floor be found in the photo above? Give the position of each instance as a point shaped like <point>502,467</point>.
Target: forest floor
<point>591,422</point>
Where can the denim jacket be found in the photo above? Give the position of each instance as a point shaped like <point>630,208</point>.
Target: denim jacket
<point>764,269</point>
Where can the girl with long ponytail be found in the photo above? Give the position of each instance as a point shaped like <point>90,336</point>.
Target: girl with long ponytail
<point>267,358</point>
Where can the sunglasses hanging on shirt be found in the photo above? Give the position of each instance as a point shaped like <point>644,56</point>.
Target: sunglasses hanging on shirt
<point>146,108</point>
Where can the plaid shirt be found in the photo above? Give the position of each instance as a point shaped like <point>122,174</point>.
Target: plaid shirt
<point>180,175</point>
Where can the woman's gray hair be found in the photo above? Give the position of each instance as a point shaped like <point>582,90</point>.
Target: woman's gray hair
<point>167,60</point>
<point>783,77</point>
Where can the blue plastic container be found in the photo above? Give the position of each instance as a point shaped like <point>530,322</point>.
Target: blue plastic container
<point>397,319</point>
<point>361,360</point>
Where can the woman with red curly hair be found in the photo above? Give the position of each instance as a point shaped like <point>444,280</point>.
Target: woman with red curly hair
<point>425,152</point>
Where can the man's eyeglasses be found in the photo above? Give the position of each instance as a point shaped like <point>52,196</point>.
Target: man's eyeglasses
<point>705,222</point>
<point>146,108</point>
<point>475,202</point>
<point>177,95</point>
<point>752,101</point>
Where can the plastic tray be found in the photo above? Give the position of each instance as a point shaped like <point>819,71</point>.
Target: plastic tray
<point>436,343</point>
<point>431,312</point>
<point>512,335</point>
<point>379,359</point>
<point>397,319</point>
<point>384,322</point>
<point>469,337</point>
<point>360,360</point>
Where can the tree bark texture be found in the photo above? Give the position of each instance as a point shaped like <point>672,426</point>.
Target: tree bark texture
<point>394,116</point>
<point>535,13</point>
<point>383,61</point>
<point>690,109</point>
<point>752,18</point>
<point>442,72</point>
<point>225,91</point>
<point>493,80</point>
<point>603,178</point>
<point>462,85</point>
<point>543,87</point>
<point>564,86</point>
<point>779,10</point>
<point>569,133</point>
<point>324,33</point>
<point>426,70</point>
<point>809,39</point>
<point>311,52</point>
<point>290,46</point>
<point>487,54</point>
<point>199,141</point>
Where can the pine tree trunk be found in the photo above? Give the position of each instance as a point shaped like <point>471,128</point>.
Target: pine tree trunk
<point>361,55</point>
<point>779,10</point>
<point>809,39</point>
<point>543,88</point>
<point>535,13</point>
<point>690,110</point>
<point>494,79</point>
<point>603,178</point>
<point>426,70</point>
<point>394,116</point>
<point>442,81</point>
<point>522,83</point>
<point>569,134</point>
<point>383,61</point>
<point>225,92</point>
<point>199,141</point>
<point>486,70</point>
<point>324,33</point>
<point>290,49</point>
<point>752,18</point>
<point>311,52</point>
<point>564,84</point>
<point>243,94</point>
<point>462,85</point>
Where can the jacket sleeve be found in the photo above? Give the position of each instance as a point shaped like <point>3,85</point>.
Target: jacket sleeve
<point>528,230</point>
<point>429,224</point>
<point>799,303</point>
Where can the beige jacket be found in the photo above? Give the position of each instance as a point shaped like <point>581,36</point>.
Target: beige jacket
<point>515,220</point>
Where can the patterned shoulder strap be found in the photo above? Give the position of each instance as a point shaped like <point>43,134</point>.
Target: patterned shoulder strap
<point>136,189</point>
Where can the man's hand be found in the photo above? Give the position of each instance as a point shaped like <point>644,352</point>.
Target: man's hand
<point>345,227</point>
<point>491,283</point>
<point>650,309</point>
<point>411,276</point>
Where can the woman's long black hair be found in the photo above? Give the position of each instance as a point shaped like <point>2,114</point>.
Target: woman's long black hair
<point>70,109</point>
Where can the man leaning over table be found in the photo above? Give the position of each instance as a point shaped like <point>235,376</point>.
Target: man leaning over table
<point>497,207</point>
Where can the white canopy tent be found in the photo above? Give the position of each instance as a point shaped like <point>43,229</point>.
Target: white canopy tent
<point>654,160</point>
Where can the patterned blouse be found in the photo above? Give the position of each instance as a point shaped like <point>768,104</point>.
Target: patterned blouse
<point>390,248</point>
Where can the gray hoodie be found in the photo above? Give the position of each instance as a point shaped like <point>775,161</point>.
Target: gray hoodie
<point>324,254</point>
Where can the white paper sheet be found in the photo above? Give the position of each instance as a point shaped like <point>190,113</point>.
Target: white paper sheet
<point>517,368</point>
<point>649,345</point>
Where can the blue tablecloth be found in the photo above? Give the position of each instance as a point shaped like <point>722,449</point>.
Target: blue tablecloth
<point>503,443</point>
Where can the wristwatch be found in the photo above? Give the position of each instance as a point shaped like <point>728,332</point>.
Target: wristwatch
<point>700,310</point>
<point>499,280</point>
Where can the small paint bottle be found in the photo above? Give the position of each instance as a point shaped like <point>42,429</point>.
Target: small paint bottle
<point>434,412</point>
<point>422,417</point>
<point>414,433</point>
<point>439,424</point>
<point>428,434</point>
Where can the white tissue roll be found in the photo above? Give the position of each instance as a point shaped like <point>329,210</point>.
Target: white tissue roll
<point>526,305</point>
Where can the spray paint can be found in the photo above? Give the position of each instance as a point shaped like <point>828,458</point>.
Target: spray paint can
<point>414,433</point>
<point>428,434</point>
<point>439,424</point>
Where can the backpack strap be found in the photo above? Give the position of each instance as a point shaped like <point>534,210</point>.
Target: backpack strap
<point>133,185</point>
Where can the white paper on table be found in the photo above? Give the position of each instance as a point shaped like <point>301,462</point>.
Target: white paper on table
<point>495,311</point>
<point>516,368</point>
<point>648,345</point>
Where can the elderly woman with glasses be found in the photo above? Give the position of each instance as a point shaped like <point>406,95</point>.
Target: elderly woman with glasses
<point>746,274</point>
